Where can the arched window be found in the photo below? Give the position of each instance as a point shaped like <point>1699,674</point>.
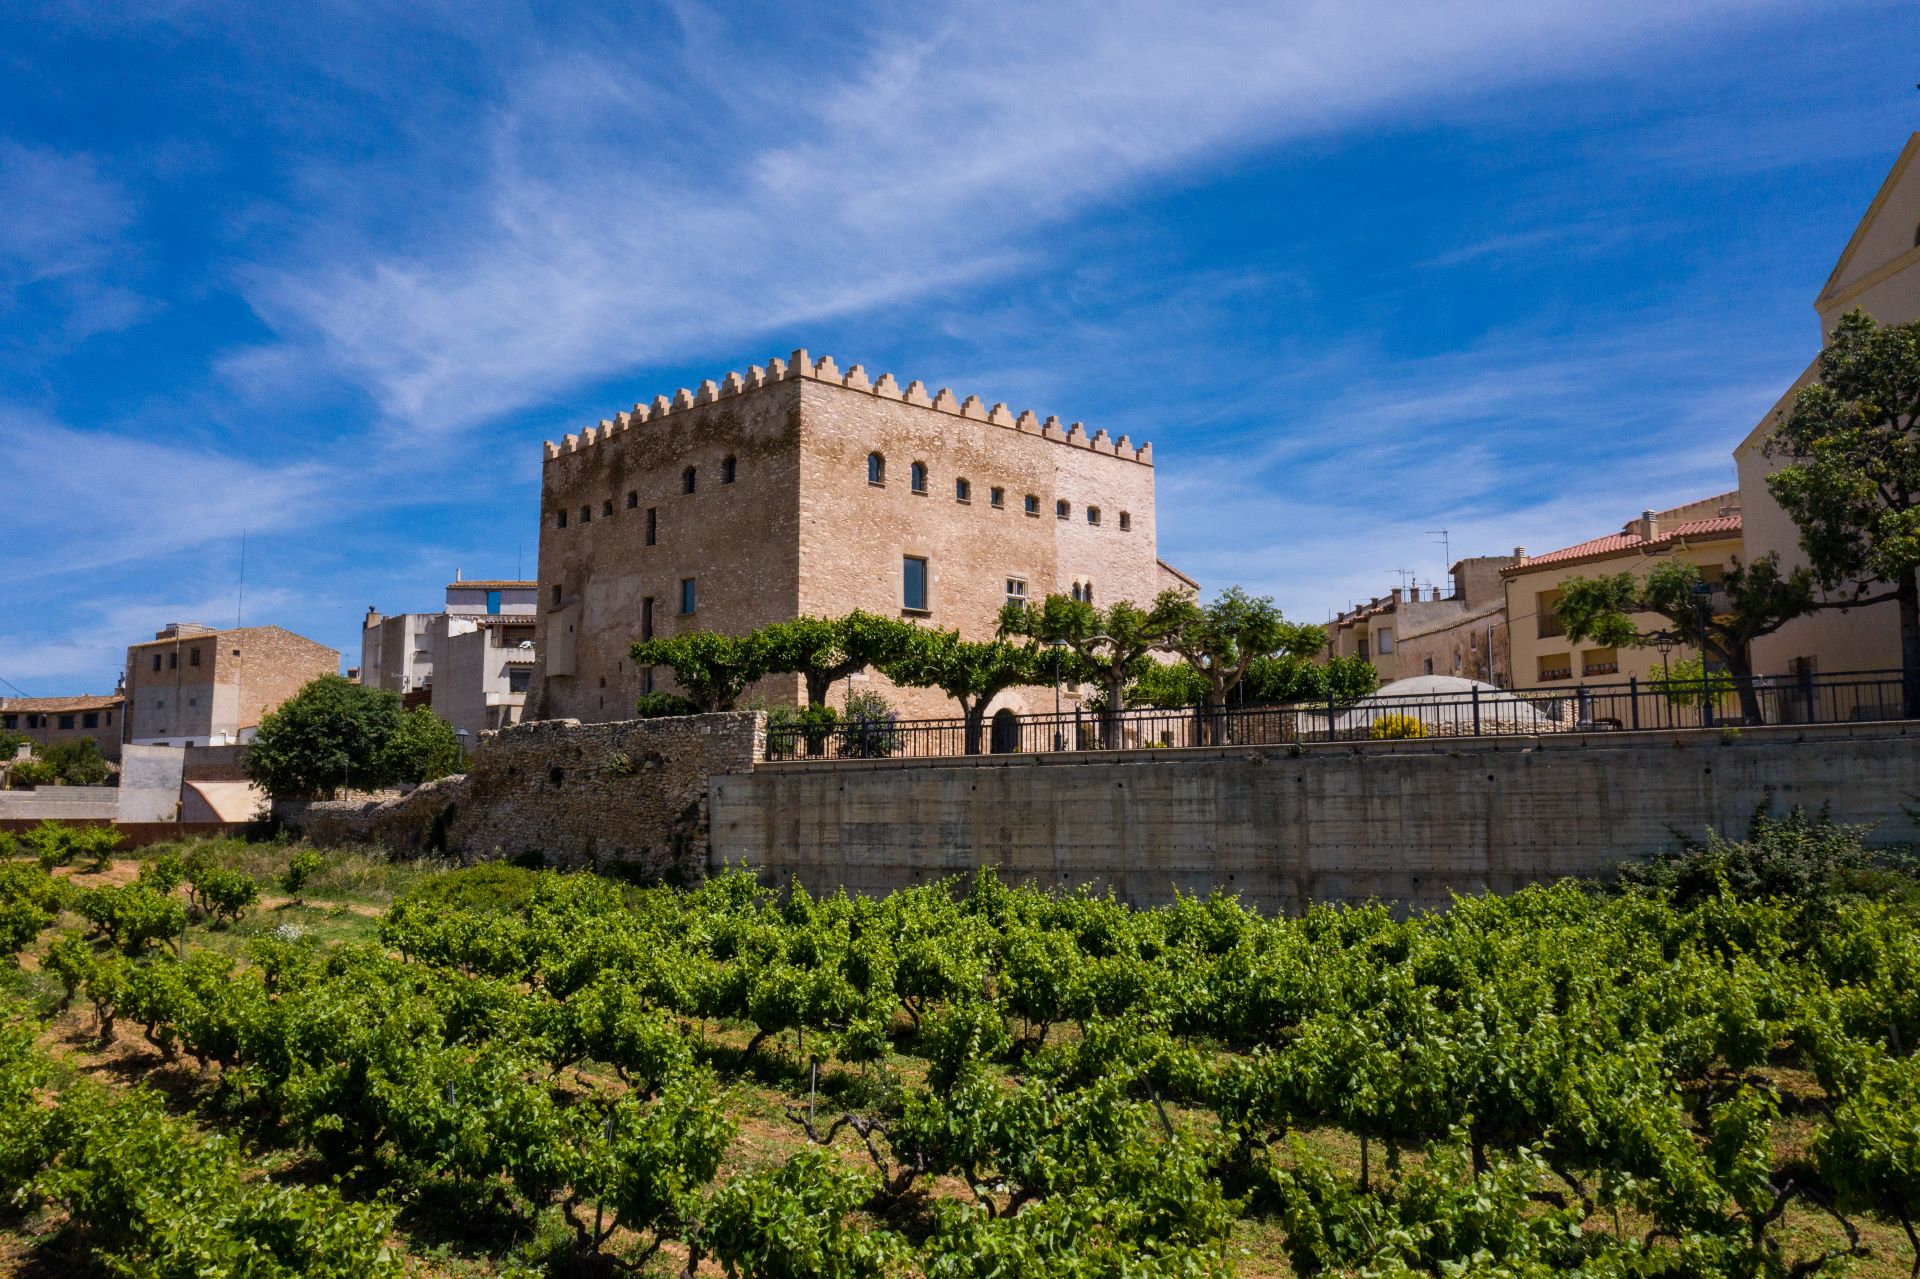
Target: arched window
<point>1086,592</point>
<point>998,496</point>
<point>876,469</point>
<point>633,499</point>
<point>1126,522</point>
<point>1062,509</point>
<point>687,480</point>
<point>606,507</point>
<point>917,477</point>
<point>729,470</point>
<point>962,491</point>
<point>1093,515</point>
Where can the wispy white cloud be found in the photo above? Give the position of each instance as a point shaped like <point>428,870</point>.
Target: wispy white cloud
<point>607,231</point>
<point>95,637</point>
<point>64,233</point>
<point>85,500</point>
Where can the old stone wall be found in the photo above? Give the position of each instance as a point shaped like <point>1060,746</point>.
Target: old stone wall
<point>632,792</point>
<point>1402,821</point>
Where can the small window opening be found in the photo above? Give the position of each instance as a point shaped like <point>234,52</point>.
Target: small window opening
<point>917,478</point>
<point>688,480</point>
<point>556,595</point>
<point>729,470</point>
<point>1033,505</point>
<point>1093,515</point>
<point>586,515</point>
<point>1062,509</point>
<point>1126,522</point>
<point>913,583</point>
<point>997,496</point>
<point>876,469</point>
<point>559,519</point>
<point>962,491</point>
<point>633,499</point>
<point>689,596</point>
<point>653,525</point>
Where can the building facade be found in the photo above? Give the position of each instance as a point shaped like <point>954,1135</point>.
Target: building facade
<point>1407,632</point>
<point>472,662</point>
<point>799,489</point>
<point>197,685</point>
<point>1879,273</point>
<point>49,721</point>
<point>1706,532</point>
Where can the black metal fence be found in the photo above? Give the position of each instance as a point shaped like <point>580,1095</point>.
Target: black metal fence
<point>1719,701</point>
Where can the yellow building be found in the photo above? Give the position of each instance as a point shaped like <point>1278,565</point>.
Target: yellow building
<point>1706,532</point>
<point>1879,273</point>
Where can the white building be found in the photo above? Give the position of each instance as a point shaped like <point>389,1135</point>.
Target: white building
<point>471,662</point>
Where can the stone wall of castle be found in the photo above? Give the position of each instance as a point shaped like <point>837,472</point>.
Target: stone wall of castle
<point>799,529</point>
<point>632,792</point>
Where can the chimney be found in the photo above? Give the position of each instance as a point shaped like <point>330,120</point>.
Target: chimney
<point>1395,593</point>
<point>1519,552</point>
<point>456,573</point>
<point>372,619</point>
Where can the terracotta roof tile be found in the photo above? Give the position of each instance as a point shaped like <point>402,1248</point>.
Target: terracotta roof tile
<point>1617,543</point>
<point>45,705</point>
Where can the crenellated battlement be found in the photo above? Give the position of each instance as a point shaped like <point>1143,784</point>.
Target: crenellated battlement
<point>802,368</point>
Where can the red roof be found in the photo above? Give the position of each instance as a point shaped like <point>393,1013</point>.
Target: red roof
<point>84,702</point>
<point>1723,526</point>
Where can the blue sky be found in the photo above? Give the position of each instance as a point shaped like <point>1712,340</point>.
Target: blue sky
<point>1360,270</point>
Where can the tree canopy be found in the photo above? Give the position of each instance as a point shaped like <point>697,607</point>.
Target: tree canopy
<point>825,650</point>
<point>334,734</point>
<point>971,673</point>
<point>1851,482</point>
<point>1755,600</point>
<point>1110,644</point>
<point>712,670</point>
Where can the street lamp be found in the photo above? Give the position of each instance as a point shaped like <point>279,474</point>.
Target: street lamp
<point>1665,645</point>
<point>1059,738</point>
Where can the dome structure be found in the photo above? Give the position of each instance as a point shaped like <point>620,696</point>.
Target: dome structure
<point>1445,705</point>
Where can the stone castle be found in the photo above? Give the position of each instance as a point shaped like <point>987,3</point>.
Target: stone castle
<point>797,489</point>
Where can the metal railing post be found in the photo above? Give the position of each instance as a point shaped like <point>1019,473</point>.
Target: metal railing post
<point>1476,710</point>
<point>1331,713</point>
<point>1806,693</point>
<point>1633,698</point>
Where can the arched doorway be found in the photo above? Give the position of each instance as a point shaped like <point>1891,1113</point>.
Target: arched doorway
<point>1005,738</point>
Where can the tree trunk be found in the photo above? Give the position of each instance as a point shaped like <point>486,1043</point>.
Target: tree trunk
<point>1909,595</point>
<point>976,717</point>
<point>819,684</point>
<point>1216,718</point>
<point>1741,669</point>
<point>1110,715</point>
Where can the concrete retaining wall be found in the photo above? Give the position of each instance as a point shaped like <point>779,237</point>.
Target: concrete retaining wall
<point>1405,821</point>
<point>60,803</point>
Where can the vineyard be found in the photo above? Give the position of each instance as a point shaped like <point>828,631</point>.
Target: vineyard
<point>209,1066</point>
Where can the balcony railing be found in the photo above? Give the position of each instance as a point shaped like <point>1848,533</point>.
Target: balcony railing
<point>1634,704</point>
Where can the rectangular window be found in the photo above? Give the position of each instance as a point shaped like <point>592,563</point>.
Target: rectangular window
<point>653,525</point>
<point>156,661</point>
<point>633,499</point>
<point>193,657</point>
<point>559,519</point>
<point>646,682</point>
<point>9,721</point>
<point>913,584</point>
<point>646,618</point>
<point>1033,505</point>
<point>1360,648</point>
<point>493,601</point>
<point>173,660</point>
<point>998,496</point>
<point>586,515</point>
<point>90,720</point>
<point>606,507</point>
<point>556,595</point>
<point>66,721</point>
<point>160,704</point>
<point>689,596</point>
<point>1556,666</point>
<point>1600,661</point>
<point>1016,590</point>
<point>1383,642</point>
<point>1544,606</point>
<point>518,679</point>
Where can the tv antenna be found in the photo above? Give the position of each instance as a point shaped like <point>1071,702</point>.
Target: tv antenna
<point>1446,552</point>
<point>240,597</point>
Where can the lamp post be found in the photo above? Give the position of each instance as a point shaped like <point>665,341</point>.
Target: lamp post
<point>462,734</point>
<point>1665,645</point>
<point>1059,738</point>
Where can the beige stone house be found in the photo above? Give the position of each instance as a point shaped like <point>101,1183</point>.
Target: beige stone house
<point>1407,632</point>
<point>48,721</point>
<point>198,685</point>
<point>1706,532</point>
<point>472,662</point>
<point>799,488</point>
<point>1878,272</point>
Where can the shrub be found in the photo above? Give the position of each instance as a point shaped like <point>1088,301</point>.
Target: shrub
<point>132,918</point>
<point>1396,727</point>
<point>662,705</point>
<point>56,844</point>
<point>1796,857</point>
<point>492,886</point>
<point>869,727</point>
<point>221,894</point>
<point>304,865</point>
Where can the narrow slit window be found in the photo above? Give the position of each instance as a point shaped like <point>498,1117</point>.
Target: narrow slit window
<point>913,583</point>
<point>876,469</point>
<point>962,491</point>
<point>917,478</point>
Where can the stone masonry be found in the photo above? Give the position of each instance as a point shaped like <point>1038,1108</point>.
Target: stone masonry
<point>632,792</point>
<point>757,490</point>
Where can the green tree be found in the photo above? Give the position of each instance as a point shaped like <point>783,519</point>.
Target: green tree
<point>712,670</point>
<point>1756,601</point>
<point>423,747</point>
<point>77,762</point>
<point>329,735</point>
<point>1852,479</point>
<point>825,650</point>
<point>1110,645</point>
<point>1223,639</point>
<point>971,673</point>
